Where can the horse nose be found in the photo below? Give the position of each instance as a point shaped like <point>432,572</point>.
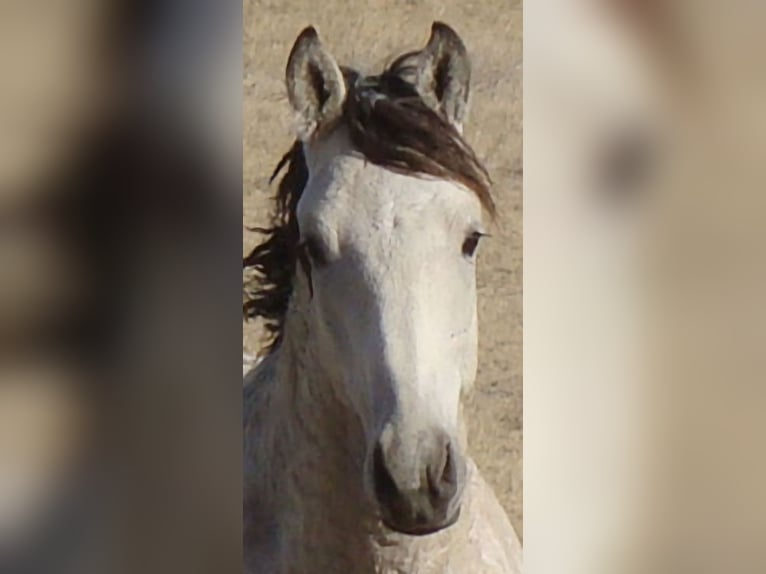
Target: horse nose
<point>423,495</point>
<point>441,476</point>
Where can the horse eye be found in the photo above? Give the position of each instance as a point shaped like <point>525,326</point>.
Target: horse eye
<point>471,243</point>
<point>314,251</point>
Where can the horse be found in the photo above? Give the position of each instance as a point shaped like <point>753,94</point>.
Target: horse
<point>354,439</point>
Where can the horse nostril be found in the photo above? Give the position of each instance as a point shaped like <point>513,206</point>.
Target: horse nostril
<point>385,486</point>
<point>442,476</point>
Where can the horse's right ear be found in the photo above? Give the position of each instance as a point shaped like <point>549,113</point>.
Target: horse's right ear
<point>444,74</point>
<point>315,85</point>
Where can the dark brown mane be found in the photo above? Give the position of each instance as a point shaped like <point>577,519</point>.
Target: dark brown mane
<point>391,126</point>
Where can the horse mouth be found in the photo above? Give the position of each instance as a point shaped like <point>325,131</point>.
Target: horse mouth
<point>420,529</point>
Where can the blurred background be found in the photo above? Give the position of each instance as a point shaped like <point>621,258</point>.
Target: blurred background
<point>643,326</point>
<point>120,241</point>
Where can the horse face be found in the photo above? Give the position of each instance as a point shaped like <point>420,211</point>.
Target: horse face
<point>391,263</point>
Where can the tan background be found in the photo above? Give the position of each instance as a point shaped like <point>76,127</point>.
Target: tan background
<point>365,35</point>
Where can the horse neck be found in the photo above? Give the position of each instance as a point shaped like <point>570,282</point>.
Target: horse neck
<point>323,443</point>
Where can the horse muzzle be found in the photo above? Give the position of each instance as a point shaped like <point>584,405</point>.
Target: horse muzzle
<point>421,494</point>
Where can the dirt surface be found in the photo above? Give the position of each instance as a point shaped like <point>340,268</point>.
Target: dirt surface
<point>366,35</point>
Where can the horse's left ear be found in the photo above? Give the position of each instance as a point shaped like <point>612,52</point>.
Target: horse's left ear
<point>315,85</point>
<point>444,74</point>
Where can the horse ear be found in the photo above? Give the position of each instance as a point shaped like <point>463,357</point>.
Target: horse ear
<point>444,74</point>
<point>315,85</point>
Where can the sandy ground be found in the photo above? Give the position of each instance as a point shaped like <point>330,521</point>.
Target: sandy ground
<point>365,34</point>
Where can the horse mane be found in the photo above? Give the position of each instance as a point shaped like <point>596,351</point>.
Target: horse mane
<point>391,126</point>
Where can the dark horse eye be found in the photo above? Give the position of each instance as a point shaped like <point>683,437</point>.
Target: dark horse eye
<point>471,243</point>
<point>314,252</point>
<point>311,254</point>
